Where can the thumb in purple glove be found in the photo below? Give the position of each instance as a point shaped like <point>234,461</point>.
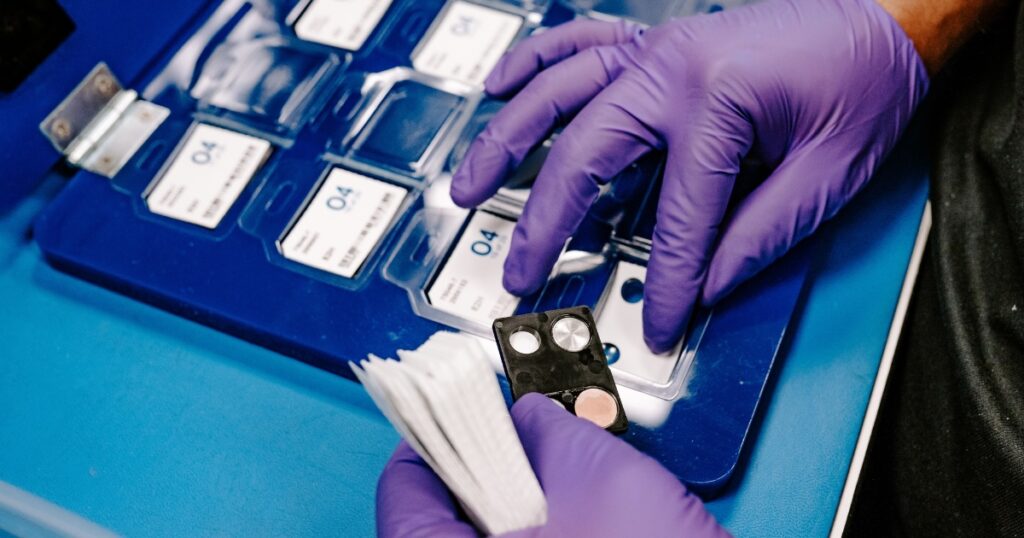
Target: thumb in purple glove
<point>820,91</point>
<point>595,484</point>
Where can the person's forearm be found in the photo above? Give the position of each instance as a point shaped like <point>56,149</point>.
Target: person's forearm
<point>939,27</point>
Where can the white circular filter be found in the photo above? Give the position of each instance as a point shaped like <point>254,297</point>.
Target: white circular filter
<point>571,333</point>
<point>524,341</point>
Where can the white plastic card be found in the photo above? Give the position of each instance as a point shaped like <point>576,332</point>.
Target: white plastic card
<point>466,42</point>
<point>207,175</point>
<point>342,224</point>
<point>469,284</point>
<point>620,323</point>
<point>345,24</point>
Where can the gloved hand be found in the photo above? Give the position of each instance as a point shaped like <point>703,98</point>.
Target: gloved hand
<point>820,91</point>
<point>595,484</point>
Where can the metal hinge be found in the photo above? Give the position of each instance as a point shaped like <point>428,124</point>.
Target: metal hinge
<point>100,125</point>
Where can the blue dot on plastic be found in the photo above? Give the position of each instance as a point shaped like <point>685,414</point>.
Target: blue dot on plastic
<point>611,352</point>
<point>715,8</point>
<point>633,290</point>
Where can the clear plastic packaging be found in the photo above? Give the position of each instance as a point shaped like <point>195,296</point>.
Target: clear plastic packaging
<point>260,81</point>
<point>511,197</point>
<point>207,174</point>
<point>450,263</point>
<point>468,37</point>
<point>329,223</point>
<point>534,10</point>
<point>264,84</point>
<point>619,318</point>
<point>338,204</point>
<point>349,25</point>
<point>399,121</point>
<point>196,177</point>
<point>649,12</point>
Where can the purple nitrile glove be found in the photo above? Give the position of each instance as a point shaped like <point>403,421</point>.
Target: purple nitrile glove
<point>819,90</point>
<point>596,485</point>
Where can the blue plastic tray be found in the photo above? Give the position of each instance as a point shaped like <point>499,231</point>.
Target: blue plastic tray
<point>233,279</point>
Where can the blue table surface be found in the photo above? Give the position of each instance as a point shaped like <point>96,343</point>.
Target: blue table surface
<point>150,424</point>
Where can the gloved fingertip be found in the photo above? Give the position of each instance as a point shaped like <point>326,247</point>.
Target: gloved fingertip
<point>517,279</point>
<point>726,271</point>
<point>713,295</point>
<point>535,410</point>
<point>659,344</point>
<point>713,290</point>
<point>522,272</point>
<point>497,84</point>
<point>662,330</point>
<point>523,275</point>
<point>462,192</point>
<point>535,401</point>
<point>482,171</point>
<point>404,452</point>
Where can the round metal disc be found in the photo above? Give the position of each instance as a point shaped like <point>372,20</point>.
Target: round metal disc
<point>570,333</point>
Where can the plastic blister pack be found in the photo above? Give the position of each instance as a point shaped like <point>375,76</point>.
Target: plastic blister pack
<point>649,12</point>
<point>205,176</point>
<point>622,213</point>
<point>195,177</point>
<point>326,222</point>
<point>512,195</point>
<point>612,241</point>
<point>259,80</point>
<point>349,25</point>
<point>534,7</point>
<point>619,322</point>
<point>451,265</point>
<point>266,85</point>
<point>399,120</point>
<point>460,40</point>
<point>294,191</point>
<point>467,38</point>
<point>611,284</point>
<point>240,90</point>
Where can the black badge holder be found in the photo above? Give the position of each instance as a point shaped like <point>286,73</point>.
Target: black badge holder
<point>563,358</point>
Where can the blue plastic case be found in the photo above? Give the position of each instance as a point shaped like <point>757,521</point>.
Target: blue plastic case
<point>367,110</point>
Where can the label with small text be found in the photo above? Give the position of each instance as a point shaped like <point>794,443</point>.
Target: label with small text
<point>469,285</point>
<point>467,42</point>
<point>345,24</point>
<point>343,223</point>
<point>207,175</point>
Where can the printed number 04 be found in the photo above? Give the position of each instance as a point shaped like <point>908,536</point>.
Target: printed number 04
<point>339,200</point>
<point>205,154</point>
<point>483,247</point>
<point>464,26</point>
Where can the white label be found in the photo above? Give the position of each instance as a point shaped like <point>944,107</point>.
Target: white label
<point>210,170</point>
<point>621,324</point>
<point>467,42</point>
<point>469,285</point>
<point>345,24</point>
<point>343,223</point>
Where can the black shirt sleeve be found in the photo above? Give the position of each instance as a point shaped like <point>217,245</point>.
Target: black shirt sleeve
<point>947,454</point>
